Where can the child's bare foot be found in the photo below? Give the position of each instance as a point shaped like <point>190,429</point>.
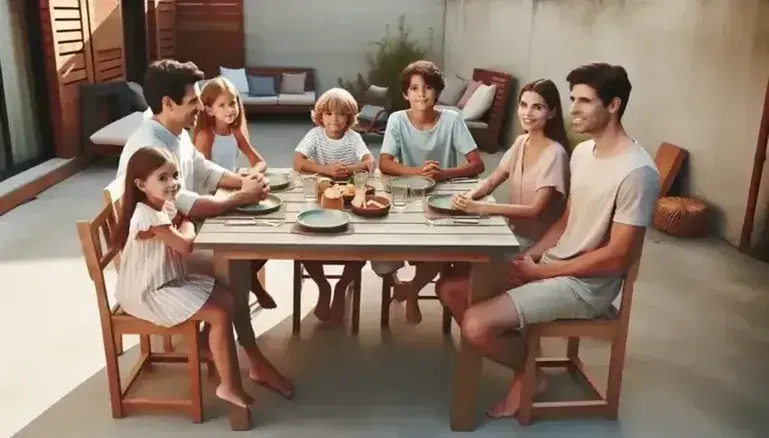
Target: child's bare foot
<point>413,312</point>
<point>322,309</point>
<point>273,381</point>
<point>231,396</point>
<point>265,300</point>
<point>508,407</point>
<point>401,290</point>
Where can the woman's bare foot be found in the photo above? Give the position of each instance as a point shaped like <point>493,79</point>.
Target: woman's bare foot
<point>273,381</point>
<point>229,395</point>
<point>265,300</point>
<point>508,407</point>
<point>413,312</point>
<point>322,309</point>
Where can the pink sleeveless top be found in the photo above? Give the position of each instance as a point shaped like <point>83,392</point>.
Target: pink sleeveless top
<point>550,170</point>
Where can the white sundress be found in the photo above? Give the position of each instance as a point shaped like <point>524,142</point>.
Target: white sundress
<point>153,283</point>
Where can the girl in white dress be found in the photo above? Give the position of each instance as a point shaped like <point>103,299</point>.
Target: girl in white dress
<point>153,283</point>
<point>221,135</point>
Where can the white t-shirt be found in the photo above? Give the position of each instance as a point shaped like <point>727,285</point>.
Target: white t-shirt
<point>622,189</point>
<point>318,147</point>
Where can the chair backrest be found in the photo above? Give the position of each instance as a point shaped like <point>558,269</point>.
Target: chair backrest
<point>113,195</point>
<point>96,239</point>
<point>669,159</point>
<point>495,116</point>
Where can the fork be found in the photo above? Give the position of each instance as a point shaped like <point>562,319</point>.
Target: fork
<point>254,221</point>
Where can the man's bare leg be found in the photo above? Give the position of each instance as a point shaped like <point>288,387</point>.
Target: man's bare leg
<point>351,270</point>
<point>489,326</point>
<point>262,296</point>
<point>323,308</point>
<point>425,273</point>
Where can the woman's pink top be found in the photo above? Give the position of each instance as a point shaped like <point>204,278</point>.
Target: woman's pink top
<point>550,170</point>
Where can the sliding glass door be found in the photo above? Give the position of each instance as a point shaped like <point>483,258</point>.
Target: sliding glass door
<point>25,119</point>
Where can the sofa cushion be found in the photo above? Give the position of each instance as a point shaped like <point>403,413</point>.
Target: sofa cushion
<point>479,102</point>
<point>261,86</point>
<point>449,107</point>
<point>476,124</point>
<point>258,100</point>
<point>293,83</point>
<point>368,112</point>
<point>306,98</point>
<point>471,87</point>
<point>455,87</point>
<point>237,76</point>
<point>117,132</point>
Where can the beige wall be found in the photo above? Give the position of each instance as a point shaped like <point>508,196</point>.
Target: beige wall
<point>334,36</point>
<point>699,69</point>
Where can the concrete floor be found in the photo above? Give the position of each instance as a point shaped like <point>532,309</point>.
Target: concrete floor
<point>696,365</point>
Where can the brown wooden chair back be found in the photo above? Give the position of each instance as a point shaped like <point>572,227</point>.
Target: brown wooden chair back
<point>669,159</point>
<point>113,195</point>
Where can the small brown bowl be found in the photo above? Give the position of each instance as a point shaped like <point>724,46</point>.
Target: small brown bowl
<point>370,190</point>
<point>373,211</point>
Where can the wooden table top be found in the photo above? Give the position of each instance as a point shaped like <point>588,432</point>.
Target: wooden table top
<point>401,231</point>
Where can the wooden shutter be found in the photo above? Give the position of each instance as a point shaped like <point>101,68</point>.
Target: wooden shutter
<point>68,61</point>
<point>210,34</point>
<point>161,33</point>
<point>106,24</point>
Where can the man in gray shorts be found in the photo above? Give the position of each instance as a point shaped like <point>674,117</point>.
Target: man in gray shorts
<point>576,269</point>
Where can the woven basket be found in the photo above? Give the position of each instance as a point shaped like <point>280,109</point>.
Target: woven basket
<point>682,217</point>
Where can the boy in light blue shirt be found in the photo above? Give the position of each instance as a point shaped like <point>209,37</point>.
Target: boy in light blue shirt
<point>426,142</point>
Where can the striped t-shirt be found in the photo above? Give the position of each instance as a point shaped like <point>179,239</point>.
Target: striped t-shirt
<point>318,147</point>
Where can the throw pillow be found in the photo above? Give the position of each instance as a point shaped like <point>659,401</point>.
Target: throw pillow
<point>471,87</point>
<point>260,86</point>
<point>377,91</point>
<point>293,83</point>
<point>455,87</point>
<point>237,76</point>
<point>479,102</point>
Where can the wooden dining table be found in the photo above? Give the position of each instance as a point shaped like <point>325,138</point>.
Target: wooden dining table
<point>414,233</point>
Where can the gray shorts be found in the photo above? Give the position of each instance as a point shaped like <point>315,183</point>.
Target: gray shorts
<point>550,299</point>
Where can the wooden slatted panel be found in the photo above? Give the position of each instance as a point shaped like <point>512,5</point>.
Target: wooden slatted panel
<point>210,34</point>
<point>106,22</point>
<point>67,52</point>
<point>161,33</point>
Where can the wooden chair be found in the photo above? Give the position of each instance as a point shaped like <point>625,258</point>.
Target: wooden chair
<point>488,135</point>
<point>300,276</point>
<point>95,240</point>
<point>613,327</point>
<point>387,288</point>
<point>113,194</point>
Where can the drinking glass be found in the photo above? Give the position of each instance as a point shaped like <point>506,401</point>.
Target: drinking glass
<point>417,195</point>
<point>310,187</point>
<point>360,179</point>
<point>400,194</point>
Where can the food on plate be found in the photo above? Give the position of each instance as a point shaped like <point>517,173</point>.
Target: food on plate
<point>373,204</point>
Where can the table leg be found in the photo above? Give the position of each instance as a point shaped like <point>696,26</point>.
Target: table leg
<point>236,274</point>
<point>486,280</point>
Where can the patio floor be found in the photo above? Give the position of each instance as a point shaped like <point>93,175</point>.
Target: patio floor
<point>696,365</point>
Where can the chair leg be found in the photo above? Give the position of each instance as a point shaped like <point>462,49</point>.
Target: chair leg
<point>526,407</point>
<point>297,316</point>
<point>386,297</point>
<point>168,344</point>
<point>113,377</point>
<point>446,321</point>
<point>356,285</point>
<point>614,383</point>
<point>196,391</point>
<point>572,348</point>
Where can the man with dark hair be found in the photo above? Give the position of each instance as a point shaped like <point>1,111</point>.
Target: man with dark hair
<point>576,269</point>
<point>171,91</point>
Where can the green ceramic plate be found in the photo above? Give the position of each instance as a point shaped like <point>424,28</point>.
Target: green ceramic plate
<point>277,181</point>
<point>267,205</point>
<point>323,219</point>
<point>441,203</point>
<point>413,182</point>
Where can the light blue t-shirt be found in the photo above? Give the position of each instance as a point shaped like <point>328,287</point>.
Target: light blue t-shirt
<point>445,142</point>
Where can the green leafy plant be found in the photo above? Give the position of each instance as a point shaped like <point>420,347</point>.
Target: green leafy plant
<point>391,54</point>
